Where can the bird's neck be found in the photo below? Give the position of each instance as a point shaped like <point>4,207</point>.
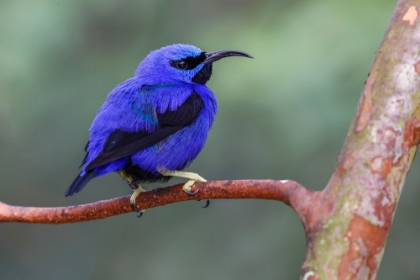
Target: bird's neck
<point>154,85</point>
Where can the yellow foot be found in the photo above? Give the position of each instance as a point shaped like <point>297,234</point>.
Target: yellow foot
<point>137,191</point>
<point>193,178</point>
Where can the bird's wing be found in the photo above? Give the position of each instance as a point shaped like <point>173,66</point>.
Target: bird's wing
<point>86,155</point>
<point>121,144</point>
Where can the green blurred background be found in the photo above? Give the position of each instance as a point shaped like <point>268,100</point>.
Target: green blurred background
<point>283,115</point>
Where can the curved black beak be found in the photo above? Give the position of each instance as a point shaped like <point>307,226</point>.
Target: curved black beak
<point>214,56</point>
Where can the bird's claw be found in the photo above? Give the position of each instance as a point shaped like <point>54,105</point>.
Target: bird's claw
<point>140,212</point>
<point>133,206</point>
<point>133,197</point>
<point>192,192</point>
<point>207,204</point>
<point>188,187</point>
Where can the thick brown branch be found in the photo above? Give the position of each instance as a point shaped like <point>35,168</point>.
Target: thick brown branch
<point>347,241</point>
<point>289,192</point>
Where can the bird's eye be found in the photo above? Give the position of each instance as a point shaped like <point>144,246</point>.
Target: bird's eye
<point>181,65</point>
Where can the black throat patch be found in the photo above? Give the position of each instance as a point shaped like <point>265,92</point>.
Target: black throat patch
<point>203,75</point>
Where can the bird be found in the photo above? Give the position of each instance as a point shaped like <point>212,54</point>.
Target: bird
<point>154,124</point>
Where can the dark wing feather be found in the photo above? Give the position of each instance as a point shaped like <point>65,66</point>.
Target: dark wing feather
<point>121,144</point>
<point>80,182</point>
<point>185,114</point>
<point>86,155</point>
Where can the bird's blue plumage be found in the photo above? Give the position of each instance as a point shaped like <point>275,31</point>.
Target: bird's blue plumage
<point>159,118</point>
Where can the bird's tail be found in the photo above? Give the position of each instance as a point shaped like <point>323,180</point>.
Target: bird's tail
<point>80,182</point>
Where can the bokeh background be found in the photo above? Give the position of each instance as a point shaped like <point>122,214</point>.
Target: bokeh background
<point>283,115</point>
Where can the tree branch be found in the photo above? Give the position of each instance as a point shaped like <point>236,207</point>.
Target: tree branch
<point>289,192</point>
<point>347,239</point>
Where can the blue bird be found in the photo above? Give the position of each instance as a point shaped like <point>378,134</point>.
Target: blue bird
<point>153,125</point>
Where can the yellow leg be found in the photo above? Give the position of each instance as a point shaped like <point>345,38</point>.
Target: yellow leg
<point>193,177</point>
<point>137,189</point>
<point>133,197</point>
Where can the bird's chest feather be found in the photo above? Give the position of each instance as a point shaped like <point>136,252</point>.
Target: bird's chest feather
<point>178,150</point>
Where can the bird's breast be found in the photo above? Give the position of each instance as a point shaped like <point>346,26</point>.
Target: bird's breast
<point>177,151</point>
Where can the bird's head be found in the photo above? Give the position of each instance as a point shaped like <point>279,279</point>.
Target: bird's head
<point>181,64</point>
